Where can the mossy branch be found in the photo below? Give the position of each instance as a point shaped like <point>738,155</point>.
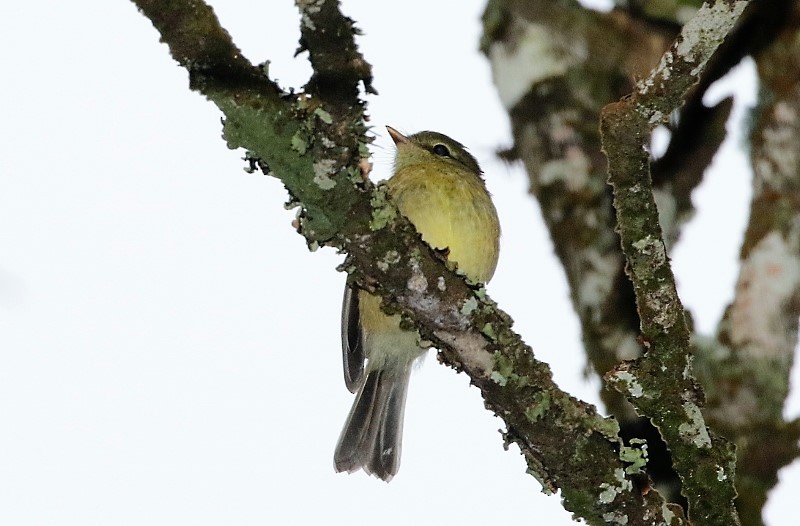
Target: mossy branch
<point>661,384</point>
<point>315,143</point>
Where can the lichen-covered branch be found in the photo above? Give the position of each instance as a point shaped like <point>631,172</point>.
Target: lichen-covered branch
<point>555,65</point>
<point>315,143</point>
<point>661,384</point>
<point>598,477</point>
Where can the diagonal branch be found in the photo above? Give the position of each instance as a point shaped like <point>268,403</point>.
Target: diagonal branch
<point>661,385</point>
<point>320,161</point>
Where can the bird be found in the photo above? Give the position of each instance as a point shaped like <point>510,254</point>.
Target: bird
<point>437,184</point>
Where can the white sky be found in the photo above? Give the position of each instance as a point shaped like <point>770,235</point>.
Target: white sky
<point>156,362</point>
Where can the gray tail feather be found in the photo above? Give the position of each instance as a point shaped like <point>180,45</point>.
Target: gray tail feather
<point>371,438</point>
<point>352,341</point>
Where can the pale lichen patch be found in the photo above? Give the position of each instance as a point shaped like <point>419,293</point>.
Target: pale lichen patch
<point>632,384</point>
<point>471,349</point>
<point>327,142</point>
<point>573,169</point>
<point>769,277</point>
<point>635,456</point>
<point>488,331</point>
<point>529,43</point>
<point>388,259</point>
<point>657,117</point>
<point>709,26</point>
<point>599,278</point>
<point>651,246</point>
<point>323,115</point>
<point>382,211</point>
<point>609,492</point>
<point>694,430</point>
<point>469,306</point>
<point>309,7</point>
<point>780,149</point>
<point>299,142</point>
<point>658,301</point>
<point>687,368</point>
<point>699,37</point>
<point>417,283</point>
<point>322,171</point>
<point>615,517</point>
<point>540,406</point>
<point>498,378</point>
<point>624,483</point>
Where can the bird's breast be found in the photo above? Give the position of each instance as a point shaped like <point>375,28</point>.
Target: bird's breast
<point>453,210</point>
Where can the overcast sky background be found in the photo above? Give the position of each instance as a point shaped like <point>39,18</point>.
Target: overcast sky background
<point>169,349</point>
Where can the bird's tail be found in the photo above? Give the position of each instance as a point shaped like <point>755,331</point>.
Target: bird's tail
<point>373,431</point>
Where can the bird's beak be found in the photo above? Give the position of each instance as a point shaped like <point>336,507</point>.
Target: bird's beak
<point>396,136</point>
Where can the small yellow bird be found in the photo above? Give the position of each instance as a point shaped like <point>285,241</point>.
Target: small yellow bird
<point>437,185</point>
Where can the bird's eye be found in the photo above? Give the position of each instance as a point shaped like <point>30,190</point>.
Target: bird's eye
<point>441,150</point>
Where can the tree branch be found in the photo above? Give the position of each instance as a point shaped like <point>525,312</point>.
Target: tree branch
<point>199,44</point>
<point>321,160</point>
<point>555,65</point>
<point>660,384</point>
<point>328,37</point>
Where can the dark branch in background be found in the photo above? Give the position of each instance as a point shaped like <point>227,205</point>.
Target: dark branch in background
<point>700,130</point>
<point>747,368</point>
<point>596,55</point>
<point>315,143</point>
<point>745,376</point>
<point>582,61</point>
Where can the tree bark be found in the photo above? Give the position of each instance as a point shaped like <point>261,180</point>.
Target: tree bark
<point>314,140</point>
